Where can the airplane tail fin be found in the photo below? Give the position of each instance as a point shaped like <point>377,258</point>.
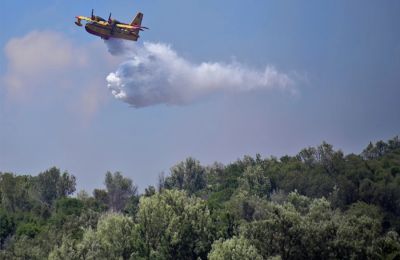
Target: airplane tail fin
<point>137,20</point>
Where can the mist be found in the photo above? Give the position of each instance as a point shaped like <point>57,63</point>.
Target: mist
<point>154,73</point>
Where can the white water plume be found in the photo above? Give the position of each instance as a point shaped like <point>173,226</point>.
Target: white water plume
<point>155,74</point>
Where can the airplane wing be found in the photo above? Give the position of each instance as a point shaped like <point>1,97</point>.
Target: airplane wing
<point>125,26</point>
<point>130,27</point>
<point>103,23</point>
<point>87,19</point>
<point>84,18</point>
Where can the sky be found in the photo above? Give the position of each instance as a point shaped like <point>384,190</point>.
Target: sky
<point>340,60</point>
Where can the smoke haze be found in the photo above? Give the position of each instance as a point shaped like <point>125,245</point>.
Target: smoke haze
<point>154,73</point>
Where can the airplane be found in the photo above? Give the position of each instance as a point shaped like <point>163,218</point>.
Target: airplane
<point>112,28</point>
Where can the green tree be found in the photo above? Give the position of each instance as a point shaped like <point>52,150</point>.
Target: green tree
<point>15,192</point>
<point>256,182</point>
<point>119,190</point>
<point>279,233</point>
<point>7,227</point>
<point>28,229</point>
<point>112,239</point>
<point>319,230</point>
<point>25,247</point>
<point>355,236</point>
<point>236,248</point>
<point>246,207</point>
<point>387,246</point>
<point>174,226</point>
<point>67,250</point>
<point>188,175</point>
<point>100,197</point>
<point>52,184</point>
<point>149,191</point>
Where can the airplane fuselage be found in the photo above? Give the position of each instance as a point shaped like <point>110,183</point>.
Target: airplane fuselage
<point>110,32</point>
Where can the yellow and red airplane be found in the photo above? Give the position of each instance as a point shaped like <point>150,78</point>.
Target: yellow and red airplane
<point>112,28</point>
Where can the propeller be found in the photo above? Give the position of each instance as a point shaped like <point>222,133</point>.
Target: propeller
<point>93,14</point>
<point>109,18</point>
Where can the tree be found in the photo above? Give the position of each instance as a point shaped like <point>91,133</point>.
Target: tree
<point>174,226</point>
<point>259,208</point>
<point>308,156</point>
<point>360,209</point>
<point>149,191</point>
<point>112,239</point>
<point>161,182</point>
<point>101,198</point>
<point>279,233</point>
<point>387,246</point>
<point>67,250</point>
<point>256,182</point>
<point>7,227</point>
<point>25,247</point>
<point>29,230</point>
<point>355,236</point>
<point>119,190</point>
<point>15,192</point>
<point>68,206</point>
<point>301,228</point>
<point>319,230</point>
<point>236,248</point>
<point>52,184</point>
<point>246,207</point>
<point>188,175</point>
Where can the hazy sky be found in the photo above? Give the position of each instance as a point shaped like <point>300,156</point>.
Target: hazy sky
<point>342,59</point>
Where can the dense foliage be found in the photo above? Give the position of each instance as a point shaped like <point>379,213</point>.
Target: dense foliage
<point>318,204</point>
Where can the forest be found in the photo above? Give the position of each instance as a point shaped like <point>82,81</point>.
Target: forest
<point>318,204</point>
